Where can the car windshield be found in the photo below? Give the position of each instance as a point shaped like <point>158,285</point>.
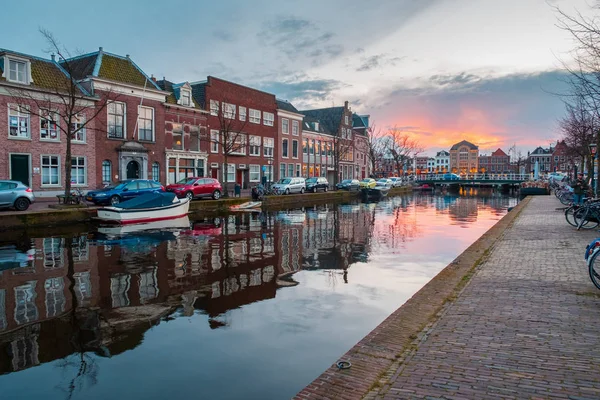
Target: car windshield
<point>311,180</point>
<point>188,181</point>
<point>284,181</point>
<point>346,181</point>
<point>117,186</point>
<point>367,180</point>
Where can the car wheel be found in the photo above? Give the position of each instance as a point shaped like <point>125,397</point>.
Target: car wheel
<point>115,200</point>
<point>325,189</point>
<point>287,191</point>
<point>216,195</point>
<point>21,204</point>
<point>189,196</point>
<point>302,190</point>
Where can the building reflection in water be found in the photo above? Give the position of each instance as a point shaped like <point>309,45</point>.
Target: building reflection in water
<point>96,291</point>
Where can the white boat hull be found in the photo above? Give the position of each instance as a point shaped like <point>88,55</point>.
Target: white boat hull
<point>144,215</point>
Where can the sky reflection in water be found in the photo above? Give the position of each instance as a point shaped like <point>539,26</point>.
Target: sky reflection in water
<point>172,313</point>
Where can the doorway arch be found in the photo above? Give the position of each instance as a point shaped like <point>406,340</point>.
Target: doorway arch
<point>133,170</point>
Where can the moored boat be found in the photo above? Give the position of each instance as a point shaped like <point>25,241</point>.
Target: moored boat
<point>252,206</point>
<point>149,207</point>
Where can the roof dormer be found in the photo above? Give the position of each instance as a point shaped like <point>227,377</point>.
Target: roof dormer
<point>183,92</point>
<point>17,69</point>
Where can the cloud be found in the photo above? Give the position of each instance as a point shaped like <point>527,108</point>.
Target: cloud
<point>377,61</point>
<point>300,38</point>
<point>461,79</point>
<point>225,36</point>
<point>305,91</point>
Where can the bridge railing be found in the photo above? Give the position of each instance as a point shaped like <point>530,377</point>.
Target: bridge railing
<point>474,177</point>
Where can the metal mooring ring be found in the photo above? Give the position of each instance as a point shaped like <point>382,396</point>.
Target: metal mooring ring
<point>343,364</point>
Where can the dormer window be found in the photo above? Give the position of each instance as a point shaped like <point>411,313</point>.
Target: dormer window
<point>18,70</point>
<point>186,98</point>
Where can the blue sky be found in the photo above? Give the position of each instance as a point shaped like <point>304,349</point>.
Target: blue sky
<point>482,70</point>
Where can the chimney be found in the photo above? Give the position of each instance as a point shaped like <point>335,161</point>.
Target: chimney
<point>127,56</point>
<point>100,49</point>
<point>346,104</point>
<point>152,77</point>
<point>52,57</point>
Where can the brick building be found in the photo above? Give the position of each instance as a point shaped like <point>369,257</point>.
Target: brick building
<point>129,134</point>
<point>317,150</point>
<point>247,116</point>
<point>185,131</point>
<point>289,140</point>
<point>498,162</point>
<point>542,157</point>
<point>33,121</point>
<point>563,159</point>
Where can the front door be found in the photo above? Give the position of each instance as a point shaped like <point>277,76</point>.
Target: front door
<point>19,168</point>
<point>133,170</point>
<point>214,173</point>
<point>240,177</point>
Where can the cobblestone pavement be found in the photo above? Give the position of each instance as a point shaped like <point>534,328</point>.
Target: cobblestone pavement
<point>527,326</point>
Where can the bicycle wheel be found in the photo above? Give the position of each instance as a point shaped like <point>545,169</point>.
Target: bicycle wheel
<point>566,199</point>
<point>583,218</point>
<point>569,215</point>
<point>595,270</point>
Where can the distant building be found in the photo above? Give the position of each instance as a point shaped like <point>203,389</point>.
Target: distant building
<point>431,165</point>
<point>421,164</point>
<point>562,159</point>
<point>442,161</point>
<point>463,158</point>
<point>498,162</point>
<point>543,158</point>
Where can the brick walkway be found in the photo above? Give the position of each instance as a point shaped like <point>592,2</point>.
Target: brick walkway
<point>526,326</point>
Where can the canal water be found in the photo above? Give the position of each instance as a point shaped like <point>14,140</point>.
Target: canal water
<point>251,306</point>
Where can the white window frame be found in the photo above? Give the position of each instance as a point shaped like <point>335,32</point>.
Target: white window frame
<point>77,167</point>
<point>102,166</point>
<point>285,126</point>
<point>78,121</point>
<point>298,170</point>
<point>290,168</point>
<point>268,146</point>
<point>214,146</point>
<point>297,148</point>
<point>178,131</point>
<point>241,141</point>
<point>346,119</point>
<point>19,112</point>
<point>255,145</point>
<point>268,118</point>
<point>230,173</point>
<point>140,119</point>
<point>185,97</point>
<point>254,116</point>
<point>26,71</point>
<point>285,148</point>
<point>59,169</point>
<point>254,170</point>
<point>282,168</point>
<point>242,113</point>
<point>124,117</point>
<point>214,107</point>
<point>49,116</point>
<point>229,110</point>
<point>295,128</point>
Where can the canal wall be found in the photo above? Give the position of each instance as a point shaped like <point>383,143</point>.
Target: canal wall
<point>373,357</point>
<point>56,216</point>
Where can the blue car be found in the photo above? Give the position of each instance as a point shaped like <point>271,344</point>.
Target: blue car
<point>451,177</point>
<point>122,191</point>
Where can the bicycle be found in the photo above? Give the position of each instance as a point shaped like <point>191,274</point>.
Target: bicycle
<point>591,254</point>
<point>587,216</point>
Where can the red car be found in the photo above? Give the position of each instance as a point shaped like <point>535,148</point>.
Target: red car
<point>199,187</point>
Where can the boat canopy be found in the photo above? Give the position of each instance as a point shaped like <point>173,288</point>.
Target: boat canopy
<point>148,200</point>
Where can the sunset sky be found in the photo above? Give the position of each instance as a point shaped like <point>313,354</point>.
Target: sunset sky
<point>483,70</point>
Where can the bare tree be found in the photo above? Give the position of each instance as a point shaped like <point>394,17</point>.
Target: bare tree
<point>517,159</point>
<point>341,150</point>
<point>400,146</point>
<point>231,139</point>
<point>375,145</point>
<point>63,105</point>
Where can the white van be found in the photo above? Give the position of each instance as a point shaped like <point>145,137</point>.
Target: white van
<point>290,185</point>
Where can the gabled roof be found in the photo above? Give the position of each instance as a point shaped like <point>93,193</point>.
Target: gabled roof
<point>442,153</point>
<point>464,143</point>
<point>541,151</point>
<point>360,121</point>
<point>286,106</point>
<point>101,64</point>
<point>199,93</point>
<point>499,153</point>
<point>330,118</point>
<point>175,91</point>
<point>45,74</point>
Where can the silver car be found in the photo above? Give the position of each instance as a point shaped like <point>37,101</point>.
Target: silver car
<point>15,194</point>
<point>290,185</point>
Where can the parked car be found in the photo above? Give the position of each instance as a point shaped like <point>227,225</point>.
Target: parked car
<point>384,182</point>
<point>368,183</point>
<point>396,182</point>
<point>197,187</point>
<point>451,177</point>
<point>351,185</point>
<point>122,191</point>
<point>316,184</point>
<point>289,185</point>
<point>14,194</point>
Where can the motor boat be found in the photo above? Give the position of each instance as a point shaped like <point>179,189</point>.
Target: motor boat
<point>149,207</point>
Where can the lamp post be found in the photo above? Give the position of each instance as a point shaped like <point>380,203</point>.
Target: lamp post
<point>592,147</point>
<point>270,162</point>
